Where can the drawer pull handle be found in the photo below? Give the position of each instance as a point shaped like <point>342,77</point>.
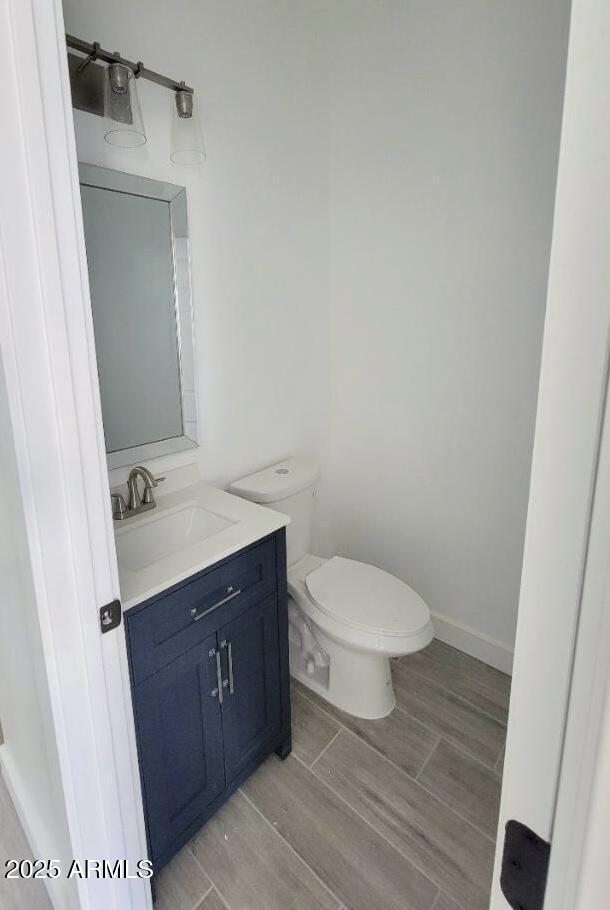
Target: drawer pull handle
<point>219,677</point>
<point>229,646</point>
<point>197,616</point>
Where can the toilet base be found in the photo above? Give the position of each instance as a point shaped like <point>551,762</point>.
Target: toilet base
<point>359,682</point>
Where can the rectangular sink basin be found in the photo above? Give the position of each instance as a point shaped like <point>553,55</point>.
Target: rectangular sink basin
<point>155,537</point>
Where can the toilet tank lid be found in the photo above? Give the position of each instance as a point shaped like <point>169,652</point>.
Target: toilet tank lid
<point>278,481</point>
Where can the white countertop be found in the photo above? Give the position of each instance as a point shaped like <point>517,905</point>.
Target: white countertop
<point>249,523</point>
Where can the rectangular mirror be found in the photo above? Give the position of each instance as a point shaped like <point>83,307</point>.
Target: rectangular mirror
<point>139,274</point>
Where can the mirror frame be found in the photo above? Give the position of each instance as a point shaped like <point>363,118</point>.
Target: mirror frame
<point>118,181</point>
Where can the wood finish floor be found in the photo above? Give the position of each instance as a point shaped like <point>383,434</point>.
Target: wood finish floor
<point>17,894</point>
<point>396,814</point>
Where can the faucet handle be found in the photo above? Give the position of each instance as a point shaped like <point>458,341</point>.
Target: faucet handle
<point>147,495</point>
<point>119,507</point>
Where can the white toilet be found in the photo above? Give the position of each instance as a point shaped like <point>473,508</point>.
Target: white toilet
<point>346,618</point>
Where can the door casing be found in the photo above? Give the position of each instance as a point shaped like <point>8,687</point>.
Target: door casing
<point>46,337</point>
<point>562,652</point>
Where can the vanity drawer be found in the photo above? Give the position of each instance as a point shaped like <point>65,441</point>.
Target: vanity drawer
<point>166,628</point>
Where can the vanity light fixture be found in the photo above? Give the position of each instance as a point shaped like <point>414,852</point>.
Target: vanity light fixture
<point>110,92</point>
<point>125,127</point>
<point>187,142</point>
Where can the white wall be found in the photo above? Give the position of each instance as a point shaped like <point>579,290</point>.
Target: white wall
<point>370,242</point>
<point>28,757</point>
<point>444,135</point>
<point>257,209</point>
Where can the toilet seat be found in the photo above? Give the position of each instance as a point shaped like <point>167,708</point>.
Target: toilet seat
<point>367,598</point>
<point>364,597</point>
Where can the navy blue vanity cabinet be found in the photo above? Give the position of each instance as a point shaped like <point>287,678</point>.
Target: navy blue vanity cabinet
<point>211,690</point>
<point>180,743</point>
<point>251,719</point>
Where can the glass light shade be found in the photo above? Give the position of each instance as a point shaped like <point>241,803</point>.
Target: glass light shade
<point>186,139</point>
<point>125,127</point>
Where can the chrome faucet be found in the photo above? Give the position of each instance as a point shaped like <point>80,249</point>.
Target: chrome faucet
<point>136,503</point>
<point>150,481</point>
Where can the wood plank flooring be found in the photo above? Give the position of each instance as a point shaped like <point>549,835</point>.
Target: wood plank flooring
<point>449,851</point>
<point>449,715</point>
<point>312,730</point>
<point>399,737</point>
<point>17,894</point>
<point>445,903</point>
<point>396,814</point>
<point>213,902</point>
<point>465,784</point>
<point>251,865</point>
<point>485,688</point>
<point>181,884</point>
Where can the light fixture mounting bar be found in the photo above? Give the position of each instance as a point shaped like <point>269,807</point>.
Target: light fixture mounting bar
<point>95,52</point>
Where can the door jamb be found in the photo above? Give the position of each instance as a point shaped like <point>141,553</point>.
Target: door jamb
<point>49,359</point>
<point>589,701</point>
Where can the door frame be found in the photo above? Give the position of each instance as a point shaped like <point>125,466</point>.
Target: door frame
<point>560,691</point>
<point>48,354</point>
<point>583,785</point>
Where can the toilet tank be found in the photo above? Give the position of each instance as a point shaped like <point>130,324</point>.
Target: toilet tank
<point>287,487</point>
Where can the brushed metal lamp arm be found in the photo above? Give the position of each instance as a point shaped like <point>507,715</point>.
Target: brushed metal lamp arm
<point>95,52</point>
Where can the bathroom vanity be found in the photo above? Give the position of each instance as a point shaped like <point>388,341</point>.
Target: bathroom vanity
<point>208,654</point>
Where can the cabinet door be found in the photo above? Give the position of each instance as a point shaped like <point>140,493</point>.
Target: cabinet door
<point>251,685</point>
<point>180,737</point>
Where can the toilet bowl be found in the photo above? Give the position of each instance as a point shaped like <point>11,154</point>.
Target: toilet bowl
<point>346,618</point>
<point>360,617</point>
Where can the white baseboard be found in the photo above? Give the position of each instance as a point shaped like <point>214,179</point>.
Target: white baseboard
<point>478,645</point>
<point>11,779</point>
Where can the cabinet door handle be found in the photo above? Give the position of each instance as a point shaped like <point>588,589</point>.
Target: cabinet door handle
<point>219,676</point>
<point>229,646</point>
<point>230,595</point>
